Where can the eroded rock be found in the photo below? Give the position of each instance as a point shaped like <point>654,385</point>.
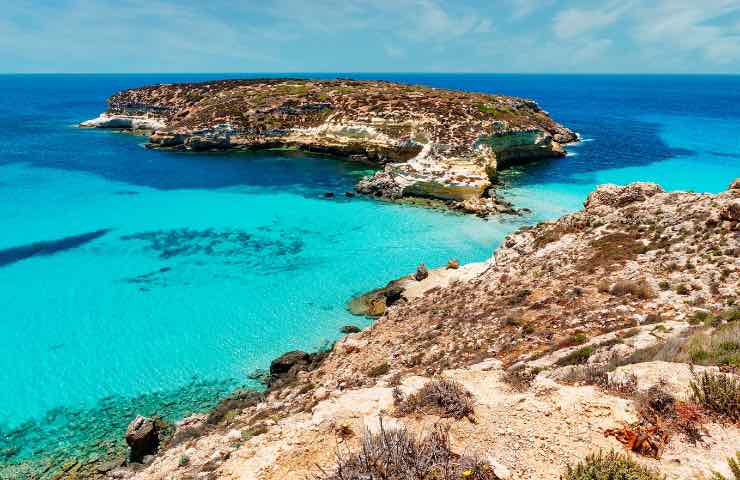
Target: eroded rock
<point>611,195</point>
<point>142,437</point>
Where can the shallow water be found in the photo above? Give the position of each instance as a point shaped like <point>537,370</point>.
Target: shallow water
<point>137,281</point>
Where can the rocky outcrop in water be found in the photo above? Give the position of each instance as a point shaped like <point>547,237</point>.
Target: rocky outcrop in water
<point>431,143</point>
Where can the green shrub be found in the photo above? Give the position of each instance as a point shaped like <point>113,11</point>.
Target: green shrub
<point>718,346</point>
<point>379,370</point>
<point>699,316</point>
<point>718,393</point>
<point>579,357</point>
<point>184,460</point>
<point>734,464</point>
<point>610,466</point>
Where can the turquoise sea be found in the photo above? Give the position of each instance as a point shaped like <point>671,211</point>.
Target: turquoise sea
<point>136,281</point>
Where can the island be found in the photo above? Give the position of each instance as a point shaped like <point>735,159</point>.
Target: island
<point>431,143</point>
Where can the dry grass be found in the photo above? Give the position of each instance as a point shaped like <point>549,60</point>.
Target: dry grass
<point>610,250</point>
<point>720,346</point>
<point>718,393</point>
<point>610,466</point>
<point>446,398</point>
<point>395,454</point>
<point>520,378</point>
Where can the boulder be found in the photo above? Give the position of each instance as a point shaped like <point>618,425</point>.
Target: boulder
<point>735,185</point>
<point>142,436</point>
<point>285,362</point>
<point>421,272</point>
<point>393,294</point>
<point>238,400</point>
<point>615,196</point>
<point>731,211</point>
<point>205,142</point>
<point>381,184</point>
<point>190,427</point>
<point>453,264</point>
<point>285,368</point>
<point>376,307</point>
<point>350,329</point>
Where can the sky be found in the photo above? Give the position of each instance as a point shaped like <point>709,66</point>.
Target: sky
<point>522,36</point>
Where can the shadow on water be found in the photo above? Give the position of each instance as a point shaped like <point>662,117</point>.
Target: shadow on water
<point>49,247</point>
<point>616,143</point>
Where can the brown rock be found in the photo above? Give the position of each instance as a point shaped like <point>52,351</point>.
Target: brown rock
<point>731,211</point>
<point>393,294</point>
<point>453,264</point>
<point>735,185</point>
<point>285,362</point>
<point>376,307</point>
<point>616,196</point>
<point>421,272</point>
<point>142,437</point>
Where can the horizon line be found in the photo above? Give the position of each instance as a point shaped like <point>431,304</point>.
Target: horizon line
<point>294,72</point>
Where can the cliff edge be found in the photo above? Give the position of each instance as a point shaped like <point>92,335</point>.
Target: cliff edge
<point>432,143</point>
<point>615,328</point>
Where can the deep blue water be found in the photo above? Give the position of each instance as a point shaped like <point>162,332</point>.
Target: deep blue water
<point>137,281</point>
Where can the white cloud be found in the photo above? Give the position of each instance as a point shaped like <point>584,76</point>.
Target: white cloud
<point>576,22</point>
<point>689,26</point>
<point>429,20</point>
<point>524,8</point>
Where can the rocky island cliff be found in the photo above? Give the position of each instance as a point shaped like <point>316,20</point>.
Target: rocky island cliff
<point>432,143</point>
<point>612,329</point>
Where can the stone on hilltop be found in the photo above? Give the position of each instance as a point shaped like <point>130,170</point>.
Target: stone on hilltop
<point>422,272</point>
<point>616,196</point>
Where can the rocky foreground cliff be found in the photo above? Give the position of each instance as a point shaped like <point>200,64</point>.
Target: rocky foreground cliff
<point>433,143</point>
<point>613,329</point>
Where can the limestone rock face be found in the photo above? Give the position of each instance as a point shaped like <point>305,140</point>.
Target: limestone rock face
<point>432,143</point>
<point>616,196</point>
<point>124,122</point>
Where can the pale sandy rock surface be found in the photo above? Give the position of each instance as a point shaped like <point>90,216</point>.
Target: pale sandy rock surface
<point>533,435</point>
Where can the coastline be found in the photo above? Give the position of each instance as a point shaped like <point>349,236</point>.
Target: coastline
<point>336,398</point>
<point>354,379</point>
<point>429,143</point>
